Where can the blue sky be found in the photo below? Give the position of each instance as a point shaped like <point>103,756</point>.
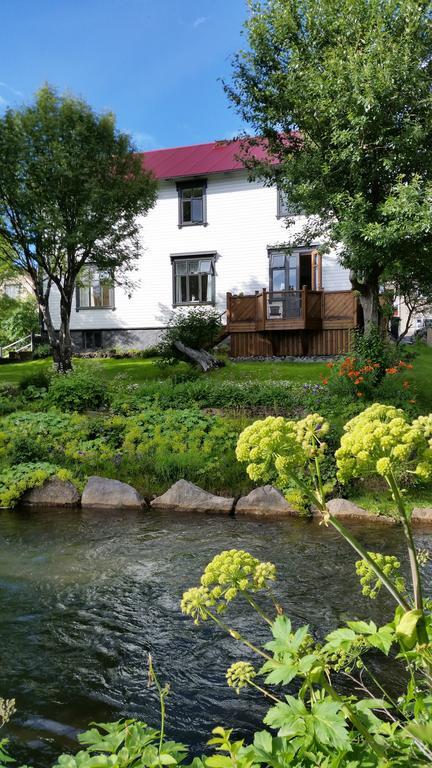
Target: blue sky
<point>155,63</point>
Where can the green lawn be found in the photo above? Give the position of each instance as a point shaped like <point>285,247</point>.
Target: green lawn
<point>146,370</point>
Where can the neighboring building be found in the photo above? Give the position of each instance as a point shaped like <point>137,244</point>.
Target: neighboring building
<point>16,287</point>
<point>211,233</point>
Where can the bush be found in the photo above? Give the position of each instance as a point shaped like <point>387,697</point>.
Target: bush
<point>197,328</point>
<point>80,390</point>
<point>35,379</point>
<point>42,351</point>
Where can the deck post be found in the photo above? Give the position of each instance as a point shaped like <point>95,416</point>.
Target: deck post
<point>228,303</point>
<point>304,305</point>
<point>262,319</point>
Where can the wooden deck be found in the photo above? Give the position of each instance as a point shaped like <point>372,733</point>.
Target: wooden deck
<point>291,323</point>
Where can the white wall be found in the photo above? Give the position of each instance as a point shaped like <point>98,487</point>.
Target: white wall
<point>242,223</point>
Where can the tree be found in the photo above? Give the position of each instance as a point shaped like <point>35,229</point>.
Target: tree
<point>71,189</point>
<point>340,91</point>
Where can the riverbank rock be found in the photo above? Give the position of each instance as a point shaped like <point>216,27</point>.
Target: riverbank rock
<point>422,515</point>
<point>53,493</point>
<point>104,493</point>
<point>265,501</point>
<point>347,510</point>
<point>187,497</point>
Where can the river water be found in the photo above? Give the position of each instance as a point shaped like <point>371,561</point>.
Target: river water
<point>85,596</point>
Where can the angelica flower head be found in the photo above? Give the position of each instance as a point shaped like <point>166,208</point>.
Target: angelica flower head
<point>380,440</point>
<point>234,571</point>
<point>239,675</point>
<point>195,602</point>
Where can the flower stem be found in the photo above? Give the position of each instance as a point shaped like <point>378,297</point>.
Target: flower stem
<point>415,572</point>
<point>377,748</point>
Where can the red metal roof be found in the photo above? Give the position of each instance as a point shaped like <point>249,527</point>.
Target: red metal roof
<point>199,159</point>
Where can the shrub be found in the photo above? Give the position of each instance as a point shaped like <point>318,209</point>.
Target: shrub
<point>197,328</point>
<point>80,390</point>
<point>42,351</point>
<point>35,379</point>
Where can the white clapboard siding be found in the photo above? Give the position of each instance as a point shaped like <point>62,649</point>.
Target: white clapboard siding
<point>242,224</point>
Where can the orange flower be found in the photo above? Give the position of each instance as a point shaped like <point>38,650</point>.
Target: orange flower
<point>325,381</point>
<point>330,365</point>
<point>359,394</point>
<point>406,385</point>
<point>391,371</point>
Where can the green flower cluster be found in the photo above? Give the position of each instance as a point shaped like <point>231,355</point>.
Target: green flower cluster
<point>371,584</point>
<point>239,675</point>
<point>381,440</point>
<point>228,574</point>
<point>275,447</point>
<point>234,571</point>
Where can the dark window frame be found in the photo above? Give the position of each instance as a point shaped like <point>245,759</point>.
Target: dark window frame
<point>192,184</point>
<point>176,258</point>
<point>81,308</point>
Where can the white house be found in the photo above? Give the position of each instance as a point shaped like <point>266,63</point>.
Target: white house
<point>211,232</point>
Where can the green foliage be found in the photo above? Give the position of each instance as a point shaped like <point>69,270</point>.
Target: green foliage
<point>59,156</point>
<point>16,480</point>
<point>18,318</point>
<point>198,328</point>
<point>359,95</point>
<point>79,390</point>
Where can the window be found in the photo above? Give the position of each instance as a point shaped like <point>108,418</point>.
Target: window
<point>283,206</point>
<point>283,271</point>
<point>95,290</point>
<point>194,280</point>
<point>291,271</point>
<point>12,290</point>
<point>92,339</point>
<point>192,203</point>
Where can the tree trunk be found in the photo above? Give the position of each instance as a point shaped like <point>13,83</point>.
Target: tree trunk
<point>199,356</point>
<point>369,300</point>
<point>61,343</point>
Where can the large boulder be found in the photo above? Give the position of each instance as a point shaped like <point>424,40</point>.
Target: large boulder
<point>104,493</point>
<point>422,515</point>
<point>187,497</point>
<point>347,510</point>
<point>53,493</point>
<point>265,501</point>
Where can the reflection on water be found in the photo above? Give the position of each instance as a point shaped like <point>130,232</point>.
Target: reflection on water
<point>84,596</point>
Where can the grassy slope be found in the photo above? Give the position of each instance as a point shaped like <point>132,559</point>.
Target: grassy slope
<point>145,370</point>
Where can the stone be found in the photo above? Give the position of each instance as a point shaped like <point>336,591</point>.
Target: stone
<point>184,496</point>
<point>53,493</point>
<point>104,493</point>
<point>265,501</point>
<point>347,510</point>
<point>422,515</point>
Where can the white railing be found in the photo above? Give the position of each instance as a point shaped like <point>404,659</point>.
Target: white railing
<point>25,344</point>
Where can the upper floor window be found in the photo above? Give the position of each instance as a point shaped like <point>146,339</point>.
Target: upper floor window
<point>95,289</point>
<point>12,290</point>
<point>284,207</point>
<point>192,203</point>
<point>194,280</point>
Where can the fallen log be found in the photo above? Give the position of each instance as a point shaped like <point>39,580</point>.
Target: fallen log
<point>200,357</point>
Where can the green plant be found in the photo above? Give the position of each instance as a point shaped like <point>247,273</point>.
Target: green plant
<point>80,390</point>
<point>320,725</point>
<point>16,480</point>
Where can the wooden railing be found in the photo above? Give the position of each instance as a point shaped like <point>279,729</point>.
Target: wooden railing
<point>291,310</point>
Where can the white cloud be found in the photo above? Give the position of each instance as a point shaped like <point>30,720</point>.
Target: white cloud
<point>200,20</point>
<point>144,141</point>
